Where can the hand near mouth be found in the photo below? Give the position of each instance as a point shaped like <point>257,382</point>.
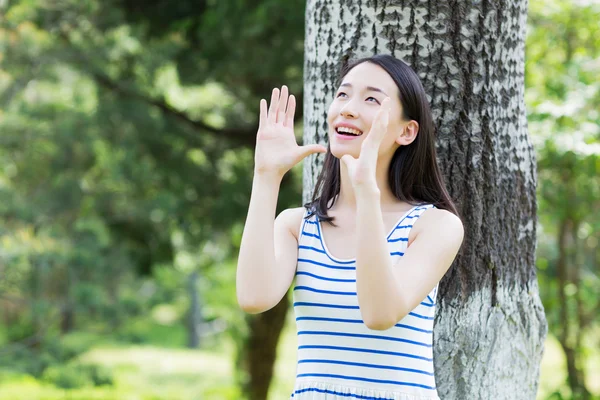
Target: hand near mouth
<point>362,169</point>
<point>276,148</point>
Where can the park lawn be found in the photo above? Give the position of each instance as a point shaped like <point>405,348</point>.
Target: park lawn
<point>141,373</point>
<point>167,373</point>
<point>144,372</point>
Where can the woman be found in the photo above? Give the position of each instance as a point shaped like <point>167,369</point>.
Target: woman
<point>368,251</point>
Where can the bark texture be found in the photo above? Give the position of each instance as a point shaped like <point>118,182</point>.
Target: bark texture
<point>570,332</point>
<point>194,317</point>
<point>490,326</point>
<point>260,349</point>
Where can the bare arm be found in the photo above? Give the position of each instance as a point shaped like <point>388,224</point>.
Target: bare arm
<point>268,251</point>
<point>387,292</point>
<point>268,254</point>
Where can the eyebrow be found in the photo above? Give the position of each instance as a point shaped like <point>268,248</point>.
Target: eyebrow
<point>369,88</point>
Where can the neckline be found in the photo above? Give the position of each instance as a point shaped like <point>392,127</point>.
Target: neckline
<point>350,260</point>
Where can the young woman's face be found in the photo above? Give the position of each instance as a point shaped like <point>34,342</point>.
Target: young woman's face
<point>354,107</point>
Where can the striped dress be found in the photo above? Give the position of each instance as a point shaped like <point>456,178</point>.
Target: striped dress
<point>338,356</point>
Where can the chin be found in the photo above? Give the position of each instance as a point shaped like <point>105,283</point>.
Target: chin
<point>339,151</point>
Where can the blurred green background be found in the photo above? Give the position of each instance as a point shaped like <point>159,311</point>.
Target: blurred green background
<point>126,138</point>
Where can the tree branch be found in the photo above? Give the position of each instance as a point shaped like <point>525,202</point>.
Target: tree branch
<point>241,136</point>
<point>244,136</point>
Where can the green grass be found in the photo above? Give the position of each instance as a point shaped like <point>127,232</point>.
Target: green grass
<point>155,372</point>
<point>140,373</point>
<point>168,374</point>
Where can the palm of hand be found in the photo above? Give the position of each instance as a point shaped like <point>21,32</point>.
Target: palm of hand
<point>362,170</point>
<point>276,138</point>
<point>276,147</point>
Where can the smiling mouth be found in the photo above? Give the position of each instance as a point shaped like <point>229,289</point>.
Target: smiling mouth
<point>345,131</point>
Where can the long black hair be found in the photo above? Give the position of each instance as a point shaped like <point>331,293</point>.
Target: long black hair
<point>414,175</point>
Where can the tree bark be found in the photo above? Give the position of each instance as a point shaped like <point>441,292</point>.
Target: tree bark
<point>570,331</point>
<point>36,287</point>
<point>194,313</point>
<point>260,349</point>
<point>580,325</point>
<point>67,311</point>
<point>490,326</point>
<point>67,318</point>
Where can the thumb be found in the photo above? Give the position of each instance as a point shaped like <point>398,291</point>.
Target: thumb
<point>310,149</point>
<point>348,160</point>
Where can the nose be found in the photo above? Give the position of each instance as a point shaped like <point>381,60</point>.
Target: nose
<point>349,110</point>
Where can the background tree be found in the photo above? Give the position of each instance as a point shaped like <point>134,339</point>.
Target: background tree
<point>127,136</point>
<point>490,327</point>
<point>563,100</point>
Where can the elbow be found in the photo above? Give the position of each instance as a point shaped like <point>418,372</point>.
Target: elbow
<point>248,299</point>
<point>381,317</point>
<point>250,308</point>
<point>252,305</point>
<point>380,323</point>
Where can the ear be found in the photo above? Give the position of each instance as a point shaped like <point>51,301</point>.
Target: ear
<point>409,133</point>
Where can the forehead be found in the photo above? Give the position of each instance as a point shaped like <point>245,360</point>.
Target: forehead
<point>368,74</point>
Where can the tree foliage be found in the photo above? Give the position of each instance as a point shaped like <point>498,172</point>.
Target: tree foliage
<point>563,96</point>
<point>126,147</point>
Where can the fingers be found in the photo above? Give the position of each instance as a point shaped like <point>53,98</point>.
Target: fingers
<point>382,118</point>
<point>282,107</point>
<point>274,106</point>
<point>379,126</point>
<point>348,160</point>
<point>311,149</point>
<point>263,113</point>
<point>291,110</point>
<point>283,102</point>
<point>316,148</point>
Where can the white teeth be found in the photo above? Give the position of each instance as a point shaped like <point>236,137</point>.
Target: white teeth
<point>349,130</point>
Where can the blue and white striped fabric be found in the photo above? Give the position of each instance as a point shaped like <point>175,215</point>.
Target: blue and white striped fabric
<point>338,356</point>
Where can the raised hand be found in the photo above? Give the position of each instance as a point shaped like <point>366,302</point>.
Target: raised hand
<point>362,169</point>
<point>276,148</point>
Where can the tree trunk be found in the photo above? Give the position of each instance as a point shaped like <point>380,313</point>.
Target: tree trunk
<point>36,286</point>
<point>580,325</point>
<point>490,326</point>
<point>194,314</point>
<point>67,311</point>
<point>570,331</point>
<point>67,318</point>
<point>260,349</point>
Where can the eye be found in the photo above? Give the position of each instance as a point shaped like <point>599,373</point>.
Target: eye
<point>371,99</point>
<point>340,94</point>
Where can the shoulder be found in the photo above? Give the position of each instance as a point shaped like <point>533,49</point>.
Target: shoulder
<point>440,225</point>
<point>291,219</point>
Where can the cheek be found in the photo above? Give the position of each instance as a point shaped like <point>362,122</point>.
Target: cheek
<point>332,111</point>
<point>393,132</point>
<point>394,129</point>
<point>331,116</point>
